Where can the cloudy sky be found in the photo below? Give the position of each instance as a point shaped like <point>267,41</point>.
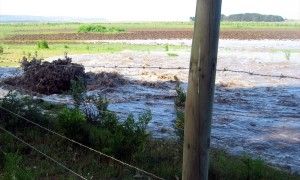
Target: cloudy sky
<point>134,10</point>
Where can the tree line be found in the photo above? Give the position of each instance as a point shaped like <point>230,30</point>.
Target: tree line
<point>250,17</point>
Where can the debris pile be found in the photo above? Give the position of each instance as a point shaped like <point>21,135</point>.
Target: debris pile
<point>48,77</point>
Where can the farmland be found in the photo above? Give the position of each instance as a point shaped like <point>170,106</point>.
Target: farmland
<point>140,71</point>
<point>18,40</point>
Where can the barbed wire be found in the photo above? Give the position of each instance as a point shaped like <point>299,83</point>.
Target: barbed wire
<point>42,153</point>
<point>84,146</point>
<point>176,68</point>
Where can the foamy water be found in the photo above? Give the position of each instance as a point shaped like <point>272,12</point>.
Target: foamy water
<point>256,115</point>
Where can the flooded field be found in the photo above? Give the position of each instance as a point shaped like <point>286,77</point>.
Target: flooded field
<point>257,98</point>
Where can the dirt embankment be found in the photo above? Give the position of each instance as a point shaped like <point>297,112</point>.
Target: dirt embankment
<point>161,34</point>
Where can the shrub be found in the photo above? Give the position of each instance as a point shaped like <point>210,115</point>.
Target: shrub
<point>180,98</point>
<point>167,48</point>
<point>22,106</point>
<point>98,28</point>
<point>14,169</point>
<point>123,140</point>
<point>71,122</point>
<point>179,106</point>
<point>42,44</point>
<point>77,91</point>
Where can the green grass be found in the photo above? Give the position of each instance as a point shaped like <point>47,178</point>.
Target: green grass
<point>10,29</point>
<point>42,44</point>
<point>172,54</point>
<point>13,53</point>
<point>85,28</point>
<point>260,25</point>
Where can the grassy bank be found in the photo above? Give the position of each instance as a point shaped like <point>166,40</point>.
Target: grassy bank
<point>13,53</point>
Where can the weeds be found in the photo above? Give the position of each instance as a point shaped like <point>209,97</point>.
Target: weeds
<point>71,123</point>
<point>1,50</point>
<point>77,91</point>
<point>287,54</point>
<point>167,48</point>
<point>172,54</point>
<point>14,169</point>
<point>98,29</point>
<point>42,44</point>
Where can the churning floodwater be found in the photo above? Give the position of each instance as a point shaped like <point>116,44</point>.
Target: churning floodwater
<point>256,110</point>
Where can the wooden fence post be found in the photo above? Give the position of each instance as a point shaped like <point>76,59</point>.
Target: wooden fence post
<point>201,84</point>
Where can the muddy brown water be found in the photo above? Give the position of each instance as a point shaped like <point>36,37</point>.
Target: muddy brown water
<point>253,114</point>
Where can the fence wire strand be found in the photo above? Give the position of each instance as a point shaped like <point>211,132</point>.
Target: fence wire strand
<point>177,68</point>
<point>84,146</point>
<point>40,152</point>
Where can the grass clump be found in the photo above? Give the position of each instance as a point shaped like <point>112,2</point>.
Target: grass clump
<point>42,44</point>
<point>1,50</point>
<point>287,54</point>
<point>98,29</point>
<point>14,168</point>
<point>172,54</point>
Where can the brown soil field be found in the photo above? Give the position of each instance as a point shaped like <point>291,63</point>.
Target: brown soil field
<point>160,34</point>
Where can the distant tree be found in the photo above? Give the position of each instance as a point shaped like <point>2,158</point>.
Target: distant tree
<point>250,17</point>
<point>192,18</point>
<point>254,17</point>
<point>223,17</point>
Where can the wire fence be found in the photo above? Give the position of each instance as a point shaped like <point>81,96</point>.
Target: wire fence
<point>149,174</point>
<point>75,142</point>
<point>252,73</point>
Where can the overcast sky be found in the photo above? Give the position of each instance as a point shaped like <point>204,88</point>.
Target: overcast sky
<point>134,10</point>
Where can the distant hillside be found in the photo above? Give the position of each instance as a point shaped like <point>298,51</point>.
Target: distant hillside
<point>16,18</point>
<point>250,17</point>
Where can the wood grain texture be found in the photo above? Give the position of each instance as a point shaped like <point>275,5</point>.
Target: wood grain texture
<point>198,107</point>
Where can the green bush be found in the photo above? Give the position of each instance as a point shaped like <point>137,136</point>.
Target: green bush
<point>14,169</point>
<point>120,139</point>
<point>180,98</point>
<point>72,123</point>
<point>42,44</point>
<point>77,91</point>
<point>179,106</point>
<point>98,28</point>
<point>22,106</point>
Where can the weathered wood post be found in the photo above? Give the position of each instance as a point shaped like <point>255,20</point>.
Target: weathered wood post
<point>201,84</point>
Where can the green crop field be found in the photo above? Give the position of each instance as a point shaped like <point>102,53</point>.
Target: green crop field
<point>14,50</point>
<point>52,28</point>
